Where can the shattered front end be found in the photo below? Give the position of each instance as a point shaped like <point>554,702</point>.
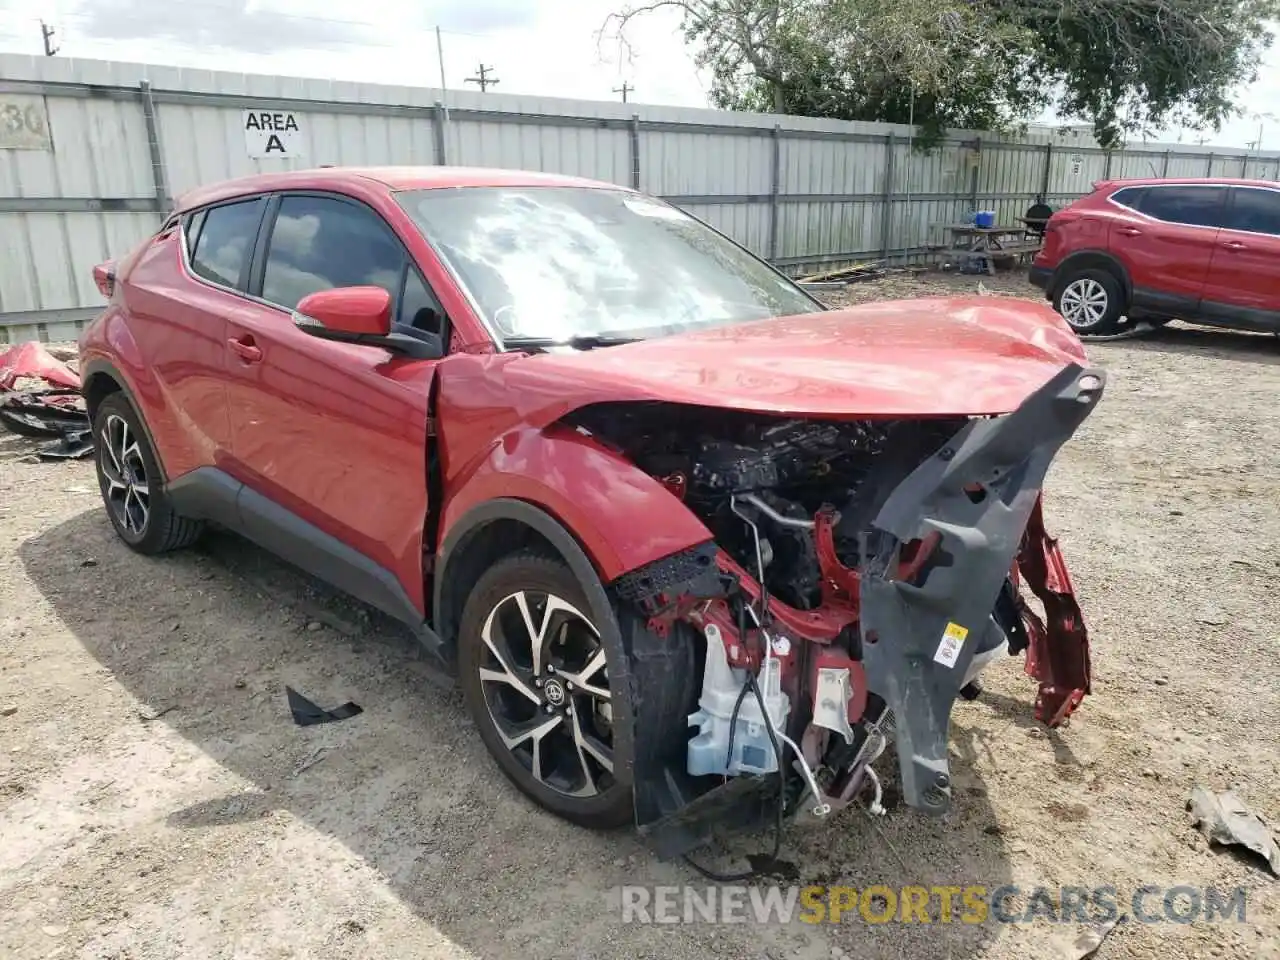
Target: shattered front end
<point>862,574</point>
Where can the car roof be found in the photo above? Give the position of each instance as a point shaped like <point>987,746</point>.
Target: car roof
<point>390,178</point>
<point>1187,181</point>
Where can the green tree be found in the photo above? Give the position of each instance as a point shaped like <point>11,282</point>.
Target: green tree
<point>1125,65</point>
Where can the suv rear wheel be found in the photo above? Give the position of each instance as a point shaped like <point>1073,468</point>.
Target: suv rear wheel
<point>534,673</point>
<point>1091,301</point>
<point>133,488</point>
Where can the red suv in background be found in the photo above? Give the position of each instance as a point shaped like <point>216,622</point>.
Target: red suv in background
<point>1207,251</point>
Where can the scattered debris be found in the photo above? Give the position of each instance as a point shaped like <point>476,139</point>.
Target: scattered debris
<point>857,273</point>
<point>314,626</point>
<point>89,562</point>
<point>146,716</point>
<point>54,410</point>
<point>73,446</point>
<point>1225,820</point>
<point>306,714</point>
<point>33,361</point>
<point>318,754</point>
<point>1088,942</point>
<point>8,710</point>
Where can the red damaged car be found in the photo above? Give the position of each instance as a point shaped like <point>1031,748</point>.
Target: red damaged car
<point>694,546</point>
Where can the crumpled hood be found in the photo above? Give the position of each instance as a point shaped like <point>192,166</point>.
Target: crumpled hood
<point>930,357</point>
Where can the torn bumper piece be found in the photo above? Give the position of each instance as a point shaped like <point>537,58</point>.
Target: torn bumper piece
<point>977,495</point>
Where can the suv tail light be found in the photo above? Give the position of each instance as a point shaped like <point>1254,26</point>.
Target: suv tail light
<point>104,277</point>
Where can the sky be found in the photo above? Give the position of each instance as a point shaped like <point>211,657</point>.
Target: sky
<point>537,47</point>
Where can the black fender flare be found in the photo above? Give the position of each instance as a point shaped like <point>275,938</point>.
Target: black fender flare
<point>101,367</point>
<point>601,608</point>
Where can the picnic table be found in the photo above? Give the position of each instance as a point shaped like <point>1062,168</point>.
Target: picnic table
<point>989,244</point>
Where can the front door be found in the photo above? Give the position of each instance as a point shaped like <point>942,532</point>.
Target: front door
<point>1243,287</point>
<point>333,433</point>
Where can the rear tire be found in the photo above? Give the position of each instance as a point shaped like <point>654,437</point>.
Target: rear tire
<point>1091,301</point>
<point>534,672</point>
<point>132,485</point>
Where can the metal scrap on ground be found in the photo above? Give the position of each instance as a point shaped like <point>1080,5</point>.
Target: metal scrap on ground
<point>1225,820</point>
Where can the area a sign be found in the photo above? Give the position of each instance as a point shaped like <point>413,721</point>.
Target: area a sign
<point>273,133</point>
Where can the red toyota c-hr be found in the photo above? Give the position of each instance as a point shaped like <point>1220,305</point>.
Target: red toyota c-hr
<point>688,540</point>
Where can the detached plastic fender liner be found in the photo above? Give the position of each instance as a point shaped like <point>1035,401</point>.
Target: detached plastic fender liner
<point>978,492</point>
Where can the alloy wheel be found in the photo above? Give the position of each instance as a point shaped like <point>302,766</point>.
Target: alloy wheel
<point>1084,303</point>
<point>545,682</point>
<point>124,474</point>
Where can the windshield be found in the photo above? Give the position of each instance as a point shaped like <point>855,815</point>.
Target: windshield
<point>555,263</point>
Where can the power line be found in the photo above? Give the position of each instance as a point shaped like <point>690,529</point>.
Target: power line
<point>624,90</point>
<point>482,79</point>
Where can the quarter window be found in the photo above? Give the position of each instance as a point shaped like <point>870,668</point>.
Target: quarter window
<point>1257,211</point>
<point>1128,197</point>
<point>1193,205</point>
<point>319,243</point>
<point>225,242</point>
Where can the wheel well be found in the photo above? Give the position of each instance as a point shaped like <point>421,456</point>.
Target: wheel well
<point>480,549</point>
<point>1092,261</point>
<point>96,389</point>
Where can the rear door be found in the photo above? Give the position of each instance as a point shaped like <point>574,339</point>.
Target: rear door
<point>1243,287</point>
<point>333,433</point>
<point>181,292</point>
<point>1168,247</point>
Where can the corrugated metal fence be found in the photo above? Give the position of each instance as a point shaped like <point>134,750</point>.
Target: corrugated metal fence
<point>92,153</point>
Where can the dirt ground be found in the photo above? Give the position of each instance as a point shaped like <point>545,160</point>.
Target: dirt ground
<point>156,801</point>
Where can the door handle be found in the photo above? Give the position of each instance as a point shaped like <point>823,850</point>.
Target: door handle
<point>245,349</point>
<point>1129,231</point>
<point>1235,245</point>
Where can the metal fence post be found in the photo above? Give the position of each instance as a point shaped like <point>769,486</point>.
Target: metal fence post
<point>439,117</point>
<point>1048,166</point>
<point>1164,172</point>
<point>634,134</point>
<point>158,176</point>
<point>774,187</point>
<point>973,174</point>
<point>886,215</point>
<point>1208,167</point>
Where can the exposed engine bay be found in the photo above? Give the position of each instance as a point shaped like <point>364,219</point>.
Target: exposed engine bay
<point>777,473</point>
<point>862,573</point>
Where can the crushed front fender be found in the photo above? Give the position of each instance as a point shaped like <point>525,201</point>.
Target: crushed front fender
<point>974,498</point>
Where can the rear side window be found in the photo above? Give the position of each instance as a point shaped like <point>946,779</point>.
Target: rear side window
<point>1193,205</point>
<point>319,243</point>
<point>225,242</point>
<point>1128,197</point>
<point>1257,211</point>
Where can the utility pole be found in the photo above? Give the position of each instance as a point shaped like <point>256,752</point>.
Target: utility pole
<point>624,90</point>
<point>46,34</point>
<point>483,80</point>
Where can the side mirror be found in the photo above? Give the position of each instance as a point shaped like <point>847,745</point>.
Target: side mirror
<point>361,315</point>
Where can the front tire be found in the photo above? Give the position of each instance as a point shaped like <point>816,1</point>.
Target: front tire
<point>534,673</point>
<point>1091,301</point>
<point>132,485</point>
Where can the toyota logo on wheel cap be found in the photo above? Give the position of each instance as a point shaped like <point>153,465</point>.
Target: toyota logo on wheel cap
<point>554,692</point>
